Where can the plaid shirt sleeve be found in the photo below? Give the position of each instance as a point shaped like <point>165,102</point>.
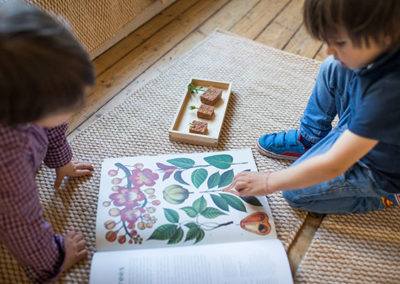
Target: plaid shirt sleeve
<point>58,152</point>
<point>27,236</point>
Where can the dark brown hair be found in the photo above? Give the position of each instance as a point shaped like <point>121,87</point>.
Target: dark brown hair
<point>363,20</point>
<point>44,70</point>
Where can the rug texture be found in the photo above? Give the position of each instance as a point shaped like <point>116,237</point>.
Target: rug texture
<point>270,89</point>
<point>362,248</point>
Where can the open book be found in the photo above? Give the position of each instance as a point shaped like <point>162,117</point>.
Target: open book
<point>174,219</point>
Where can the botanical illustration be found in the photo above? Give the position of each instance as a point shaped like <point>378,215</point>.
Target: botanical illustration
<point>134,202</point>
<point>191,196</point>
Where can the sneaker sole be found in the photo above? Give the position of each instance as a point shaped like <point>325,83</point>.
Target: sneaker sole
<point>274,155</point>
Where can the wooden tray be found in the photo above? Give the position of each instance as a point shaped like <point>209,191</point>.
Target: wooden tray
<point>179,130</point>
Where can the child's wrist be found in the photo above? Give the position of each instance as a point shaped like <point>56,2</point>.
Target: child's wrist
<point>267,188</point>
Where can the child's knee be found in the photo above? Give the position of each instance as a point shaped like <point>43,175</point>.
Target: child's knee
<point>296,199</point>
<point>293,198</point>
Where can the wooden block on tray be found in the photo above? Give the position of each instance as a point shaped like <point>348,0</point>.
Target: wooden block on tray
<point>205,111</point>
<point>211,96</point>
<point>199,127</point>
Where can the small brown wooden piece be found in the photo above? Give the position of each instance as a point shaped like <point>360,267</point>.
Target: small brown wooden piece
<point>211,96</point>
<point>198,127</point>
<point>205,111</point>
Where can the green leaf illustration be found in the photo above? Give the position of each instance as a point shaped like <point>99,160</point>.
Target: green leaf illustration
<point>178,177</point>
<point>200,204</point>
<point>190,211</point>
<point>252,200</point>
<point>164,232</point>
<point>171,215</point>
<point>199,176</point>
<point>183,163</point>
<point>194,230</point>
<point>191,225</point>
<point>220,202</point>
<point>226,178</point>
<point>199,236</point>
<point>213,180</point>
<point>177,237</point>
<point>222,162</point>
<point>234,201</point>
<point>212,213</point>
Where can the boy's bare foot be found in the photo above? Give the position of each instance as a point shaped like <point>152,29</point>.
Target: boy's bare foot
<point>74,249</point>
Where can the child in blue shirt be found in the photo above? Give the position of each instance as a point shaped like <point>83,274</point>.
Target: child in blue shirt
<point>354,167</point>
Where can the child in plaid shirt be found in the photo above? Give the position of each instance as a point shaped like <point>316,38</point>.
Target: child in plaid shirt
<point>44,75</point>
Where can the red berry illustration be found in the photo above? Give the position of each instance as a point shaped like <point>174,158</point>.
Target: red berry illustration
<point>149,190</point>
<point>109,225</point>
<point>111,236</point>
<point>121,239</point>
<point>113,212</point>
<point>139,166</point>
<point>106,203</point>
<point>116,180</point>
<point>141,225</point>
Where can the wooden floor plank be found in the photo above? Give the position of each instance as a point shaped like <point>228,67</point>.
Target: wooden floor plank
<point>188,43</point>
<point>284,26</point>
<point>227,16</point>
<point>185,45</point>
<point>321,54</point>
<point>303,44</point>
<point>303,240</point>
<point>258,18</point>
<point>144,32</point>
<point>140,59</point>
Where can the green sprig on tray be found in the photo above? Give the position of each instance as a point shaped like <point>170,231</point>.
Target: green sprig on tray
<point>194,90</point>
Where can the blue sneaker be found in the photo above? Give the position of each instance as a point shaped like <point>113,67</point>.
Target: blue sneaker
<point>282,145</point>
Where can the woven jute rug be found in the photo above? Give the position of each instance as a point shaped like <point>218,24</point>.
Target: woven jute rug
<point>354,248</point>
<point>270,89</point>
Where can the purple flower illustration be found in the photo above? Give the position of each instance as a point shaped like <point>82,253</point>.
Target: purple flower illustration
<point>130,215</point>
<point>167,170</point>
<point>143,177</point>
<point>128,197</point>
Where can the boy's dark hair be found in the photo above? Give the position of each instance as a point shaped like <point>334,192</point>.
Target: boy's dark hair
<point>44,70</point>
<point>363,20</point>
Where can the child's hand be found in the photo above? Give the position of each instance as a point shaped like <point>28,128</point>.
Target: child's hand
<point>251,183</point>
<point>72,169</point>
<point>74,249</point>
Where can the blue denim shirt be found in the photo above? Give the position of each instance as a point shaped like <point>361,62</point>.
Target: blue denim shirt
<point>375,114</point>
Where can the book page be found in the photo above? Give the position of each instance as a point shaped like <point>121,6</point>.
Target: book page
<point>244,262</point>
<point>178,200</point>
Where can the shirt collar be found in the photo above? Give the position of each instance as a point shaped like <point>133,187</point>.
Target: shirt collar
<point>387,58</point>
